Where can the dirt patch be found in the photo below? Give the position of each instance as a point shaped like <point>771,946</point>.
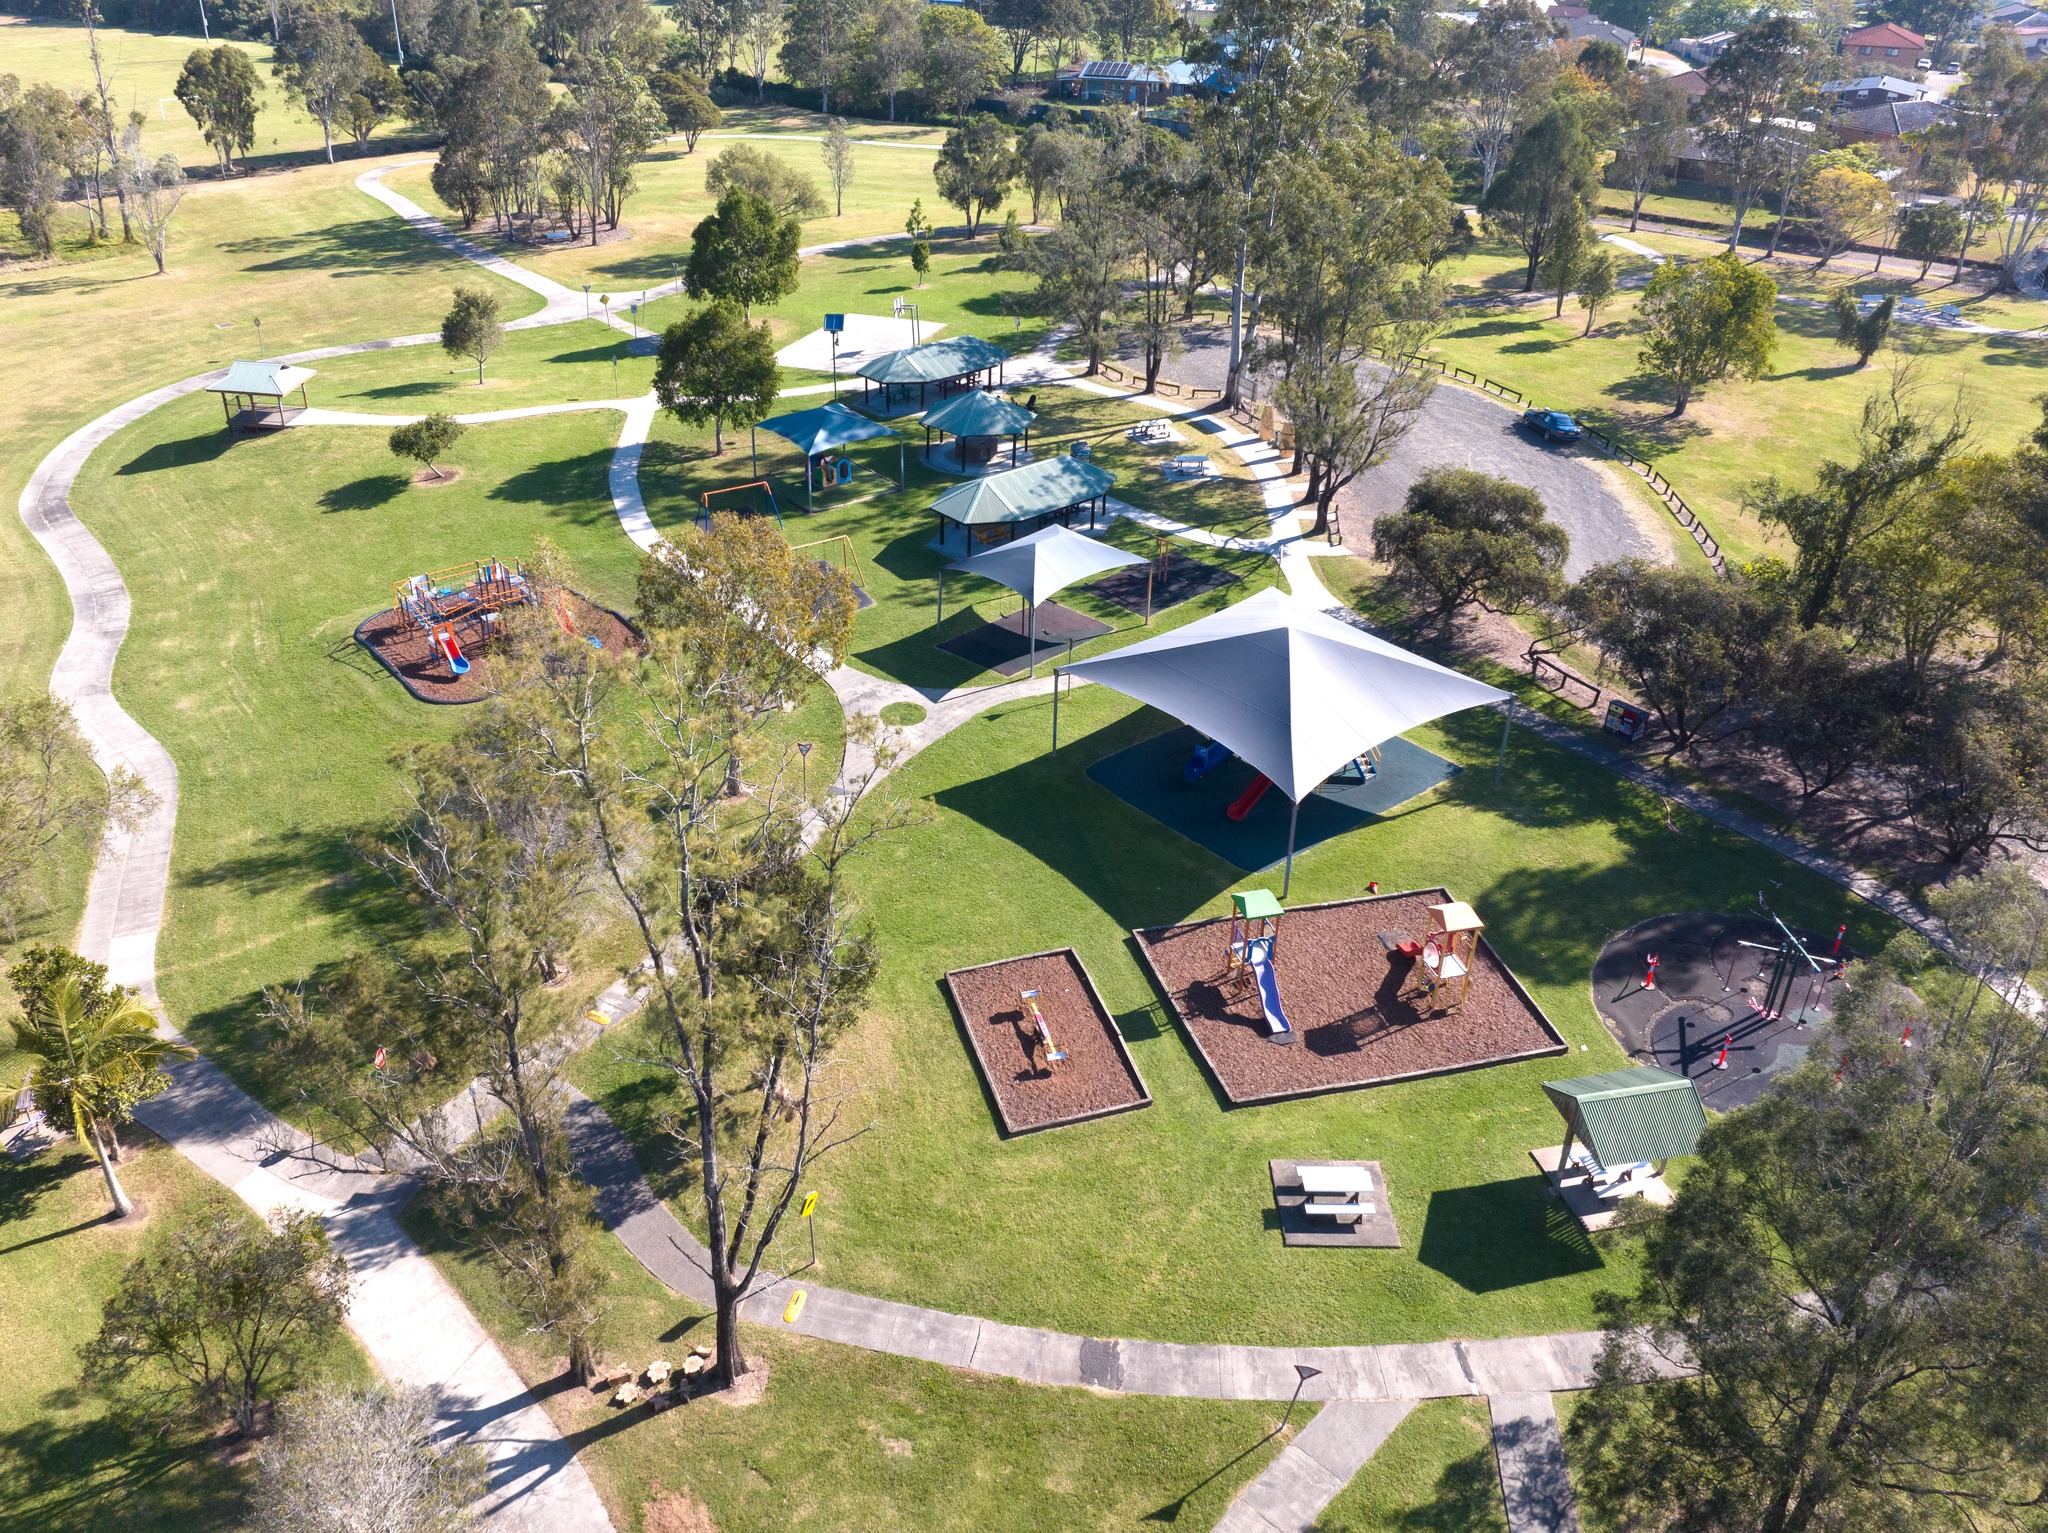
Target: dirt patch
<point>1096,1078</point>
<point>677,1512</point>
<point>425,480</point>
<point>1344,995</point>
<point>409,654</point>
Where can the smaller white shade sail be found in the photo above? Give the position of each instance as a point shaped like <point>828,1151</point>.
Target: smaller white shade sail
<point>1293,691</point>
<point>1046,562</point>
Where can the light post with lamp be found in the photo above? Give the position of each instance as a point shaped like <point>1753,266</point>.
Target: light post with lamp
<point>259,340</point>
<point>1302,1374</point>
<point>586,300</point>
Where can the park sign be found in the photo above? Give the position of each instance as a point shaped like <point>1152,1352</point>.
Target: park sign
<point>835,324</point>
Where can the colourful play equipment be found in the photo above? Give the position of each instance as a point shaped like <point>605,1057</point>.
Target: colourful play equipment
<point>1254,917</point>
<point>767,490</point>
<point>1249,799</point>
<point>841,552</point>
<point>1205,759</point>
<point>459,606</point>
<point>1259,956</point>
<point>1054,1055</point>
<point>451,650</point>
<point>1450,944</point>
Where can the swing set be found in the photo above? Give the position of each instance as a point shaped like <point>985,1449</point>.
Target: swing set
<point>767,494</point>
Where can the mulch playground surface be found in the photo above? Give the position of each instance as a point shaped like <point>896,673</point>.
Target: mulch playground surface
<point>409,653</point>
<point>1096,1078</point>
<point>1341,991</point>
<point>1709,994</point>
<point>1004,646</point>
<point>1182,579</point>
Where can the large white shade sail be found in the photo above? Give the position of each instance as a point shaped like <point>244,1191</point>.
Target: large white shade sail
<point>1294,692</point>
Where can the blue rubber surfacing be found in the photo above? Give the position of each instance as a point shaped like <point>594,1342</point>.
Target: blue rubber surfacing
<point>1147,776</point>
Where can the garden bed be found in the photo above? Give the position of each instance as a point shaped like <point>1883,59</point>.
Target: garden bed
<point>1095,1079</point>
<point>1342,993</point>
<point>408,653</point>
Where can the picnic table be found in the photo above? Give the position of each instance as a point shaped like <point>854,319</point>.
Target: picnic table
<point>1317,1181</point>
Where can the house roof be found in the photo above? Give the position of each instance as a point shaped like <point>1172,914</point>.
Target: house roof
<point>1118,69</point>
<point>1582,28</point>
<point>1892,119</point>
<point>1625,1116</point>
<point>1691,81</point>
<point>279,378</point>
<point>977,414</point>
<point>814,431</point>
<point>1015,495</point>
<point>1886,34</point>
<point>1892,83</point>
<point>933,362</point>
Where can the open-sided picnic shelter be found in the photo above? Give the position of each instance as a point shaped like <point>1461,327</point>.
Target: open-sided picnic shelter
<point>1293,691</point>
<point>937,367</point>
<point>253,395</point>
<point>998,508</point>
<point>814,433</point>
<point>975,420</point>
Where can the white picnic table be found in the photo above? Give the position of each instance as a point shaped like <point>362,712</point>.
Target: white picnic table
<point>1319,1180</point>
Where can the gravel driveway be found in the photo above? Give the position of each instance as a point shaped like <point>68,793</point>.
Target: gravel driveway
<point>1462,429</point>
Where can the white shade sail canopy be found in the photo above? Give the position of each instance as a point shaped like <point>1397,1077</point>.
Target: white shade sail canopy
<point>1046,562</point>
<point>1294,692</point>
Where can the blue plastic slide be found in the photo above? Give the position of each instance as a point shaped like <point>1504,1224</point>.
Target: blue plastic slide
<point>1206,759</point>
<point>1278,1028</point>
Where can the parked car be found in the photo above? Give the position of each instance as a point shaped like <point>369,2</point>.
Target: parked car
<point>1553,425</point>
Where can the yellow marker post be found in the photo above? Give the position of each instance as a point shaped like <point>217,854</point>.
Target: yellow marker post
<point>810,1205</point>
<point>794,1308</point>
<point>597,1017</point>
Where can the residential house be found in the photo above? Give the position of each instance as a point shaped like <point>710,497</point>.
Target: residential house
<point>1702,51</point>
<point>1887,123</point>
<point>1872,90</point>
<point>1691,81</point>
<point>1113,80</point>
<point>1581,25</point>
<point>1887,42</point>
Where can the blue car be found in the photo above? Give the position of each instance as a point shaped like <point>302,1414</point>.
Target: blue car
<point>1553,425</point>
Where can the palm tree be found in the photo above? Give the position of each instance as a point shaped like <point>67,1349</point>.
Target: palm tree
<point>96,1062</point>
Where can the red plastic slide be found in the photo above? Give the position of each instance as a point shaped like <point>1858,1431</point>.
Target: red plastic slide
<point>1248,800</point>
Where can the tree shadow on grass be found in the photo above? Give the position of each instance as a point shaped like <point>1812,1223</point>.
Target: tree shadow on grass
<point>1466,1496</point>
<point>322,866</point>
<point>2011,351</point>
<point>23,1184</point>
<point>574,488</point>
<point>86,1477</point>
<point>1122,860</point>
<point>183,453</point>
<point>1505,1234</point>
<point>364,494</point>
<point>408,390</point>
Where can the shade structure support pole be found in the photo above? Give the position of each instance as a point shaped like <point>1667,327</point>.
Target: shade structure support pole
<point>1055,712</point>
<point>754,450</point>
<point>810,484</point>
<point>939,626</point>
<point>1031,624</point>
<point>1293,819</point>
<point>1148,596</point>
<point>902,473</point>
<point>1507,719</point>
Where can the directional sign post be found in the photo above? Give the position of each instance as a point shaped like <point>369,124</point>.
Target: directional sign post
<point>835,324</point>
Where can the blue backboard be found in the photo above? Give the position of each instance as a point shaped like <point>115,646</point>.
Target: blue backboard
<point>835,323</point>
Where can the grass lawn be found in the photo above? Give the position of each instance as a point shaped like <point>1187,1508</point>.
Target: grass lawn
<point>852,1439</point>
<point>1735,433</point>
<point>316,260</point>
<point>1157,1223</point>
<point>142,71</point>
<point>66,1466</point>
<point>1436,1474</point>
<point>887,177</point>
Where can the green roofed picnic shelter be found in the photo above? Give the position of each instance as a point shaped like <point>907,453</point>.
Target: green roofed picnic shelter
<point>253,394</point>
<point>814,433</point>
<point>947,367</point>
<point>1629,1117</point>
<point>975,419</point>
<point>996,509</point>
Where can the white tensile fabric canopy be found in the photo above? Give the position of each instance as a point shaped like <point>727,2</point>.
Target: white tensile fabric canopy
<point>1293,691</point>
<point>1036,566</point>
<point>1047,561</point>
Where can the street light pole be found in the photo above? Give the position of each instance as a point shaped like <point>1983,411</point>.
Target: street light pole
<point>1302,1374</point>
<point>259,340</point>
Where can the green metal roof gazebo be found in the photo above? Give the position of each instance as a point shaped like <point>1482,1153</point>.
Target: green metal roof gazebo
<point>959,361</point>
<point>1627,1116</point>
<point>250,382</point>
<point>979,415</point>
<point>1051,489</point>
<point>813,432</point>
